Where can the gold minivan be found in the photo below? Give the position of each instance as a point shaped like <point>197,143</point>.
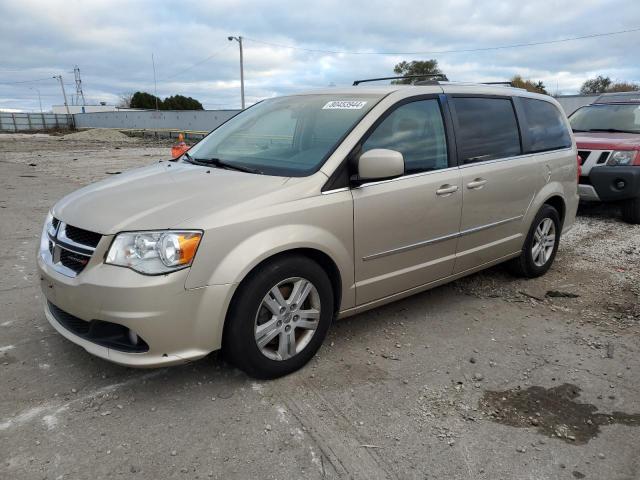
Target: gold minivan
<point>303,209</point>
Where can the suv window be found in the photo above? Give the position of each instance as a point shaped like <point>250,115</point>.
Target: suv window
<point>545,126</point>
<point>416,130</point>
<point>487,129</point>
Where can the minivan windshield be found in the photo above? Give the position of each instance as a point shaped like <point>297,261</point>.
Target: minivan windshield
<point>607,118</point>
<point>287,136</point>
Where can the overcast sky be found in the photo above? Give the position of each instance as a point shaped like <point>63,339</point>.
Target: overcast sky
<point>112,43</point>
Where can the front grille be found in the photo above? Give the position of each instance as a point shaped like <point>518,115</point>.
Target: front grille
<point>603,157</point>
<point>69,248</point>
<point>583,154</point>
<point>84,237</point>
<point>72,260</point>
<point>107,334</point>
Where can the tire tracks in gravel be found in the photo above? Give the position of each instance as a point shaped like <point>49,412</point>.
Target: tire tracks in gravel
<point>335,437</point>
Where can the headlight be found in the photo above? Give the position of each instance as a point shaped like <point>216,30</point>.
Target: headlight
<point>621,157</point>
<point>154,253</point>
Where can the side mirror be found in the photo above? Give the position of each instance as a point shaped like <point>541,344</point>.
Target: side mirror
<point>380,164</point>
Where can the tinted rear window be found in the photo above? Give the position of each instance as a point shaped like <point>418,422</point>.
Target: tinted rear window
<point>487,129</point>
<point>546,129</point>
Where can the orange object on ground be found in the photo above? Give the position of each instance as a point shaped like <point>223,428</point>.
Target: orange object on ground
<point>179,148</point>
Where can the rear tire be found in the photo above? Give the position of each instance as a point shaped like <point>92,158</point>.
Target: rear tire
<point>540,246</point>
<point>279,317</point>
<point>631,211</point>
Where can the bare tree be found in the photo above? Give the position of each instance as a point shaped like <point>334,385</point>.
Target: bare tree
<point>125,100</point>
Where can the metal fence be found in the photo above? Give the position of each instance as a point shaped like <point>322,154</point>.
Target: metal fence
<point>22,122</point>
<point>197,121</point>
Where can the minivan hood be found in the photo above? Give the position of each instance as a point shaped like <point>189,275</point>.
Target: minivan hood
<point>159,197</point>
<point>608,140</point>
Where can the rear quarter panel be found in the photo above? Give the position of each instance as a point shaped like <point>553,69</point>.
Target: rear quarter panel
<point>562,173</point>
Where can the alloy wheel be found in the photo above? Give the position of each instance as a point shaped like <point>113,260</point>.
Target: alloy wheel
<point>287,318</point>
<point>544,241</point>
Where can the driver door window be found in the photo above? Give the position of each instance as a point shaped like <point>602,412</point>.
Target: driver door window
<point>417,131</point>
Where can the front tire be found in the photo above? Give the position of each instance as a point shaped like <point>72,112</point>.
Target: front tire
<point>279,317</point>
<point>631,211</point>
<point>540,246</point>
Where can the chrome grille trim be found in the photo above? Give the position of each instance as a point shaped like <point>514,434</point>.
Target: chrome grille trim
<point>57,243</point>
<point>72,245</point>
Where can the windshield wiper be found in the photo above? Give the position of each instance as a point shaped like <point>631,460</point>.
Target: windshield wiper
<point>216,162</point>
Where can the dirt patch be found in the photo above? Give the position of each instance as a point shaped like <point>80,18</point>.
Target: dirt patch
<point>99,135</point>
<point>553,411</point>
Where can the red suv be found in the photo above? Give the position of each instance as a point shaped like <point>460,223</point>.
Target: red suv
<point>608,137</point>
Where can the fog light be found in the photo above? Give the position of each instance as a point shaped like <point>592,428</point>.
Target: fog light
<point>620,184</point>
<point>133,337</point>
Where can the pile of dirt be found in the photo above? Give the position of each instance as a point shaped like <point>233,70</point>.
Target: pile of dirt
<point>99,135</point>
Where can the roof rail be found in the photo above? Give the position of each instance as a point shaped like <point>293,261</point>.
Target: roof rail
<point>507,84</point>
<point>427,79</point>
<point>430,77</point>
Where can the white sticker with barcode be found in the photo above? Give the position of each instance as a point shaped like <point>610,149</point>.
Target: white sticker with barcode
<point>344,105</point>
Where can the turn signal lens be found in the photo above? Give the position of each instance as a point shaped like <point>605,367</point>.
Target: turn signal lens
<point>178,249</point>
<point>579,167</point>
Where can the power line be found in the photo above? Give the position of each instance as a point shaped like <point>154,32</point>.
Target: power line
<point>437,52</point>
<point>26,81</point>
<point>198,63</point>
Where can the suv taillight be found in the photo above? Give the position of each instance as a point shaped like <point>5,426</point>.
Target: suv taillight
<point>579,167</point>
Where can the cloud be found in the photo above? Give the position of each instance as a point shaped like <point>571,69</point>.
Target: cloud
<point>112,42</point>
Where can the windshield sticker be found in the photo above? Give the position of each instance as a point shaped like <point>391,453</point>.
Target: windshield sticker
<point>344,105</point>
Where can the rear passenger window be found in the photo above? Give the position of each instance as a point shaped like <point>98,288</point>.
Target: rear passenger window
<point>487,129</point>
<point>545,126</point>
<point>416,130</point>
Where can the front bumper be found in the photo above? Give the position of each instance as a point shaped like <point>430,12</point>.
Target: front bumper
<point>177,325</point>
<point>610,184</point>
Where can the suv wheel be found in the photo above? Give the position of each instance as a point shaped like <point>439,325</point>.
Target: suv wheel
<point>631,211</point>
<point>540,246</point>
<point>279,317</point>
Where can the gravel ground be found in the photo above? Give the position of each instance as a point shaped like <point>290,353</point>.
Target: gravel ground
<point>489,377</point>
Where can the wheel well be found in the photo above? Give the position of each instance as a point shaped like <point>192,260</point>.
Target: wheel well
<point>558,203</point>
<point>322,259</point>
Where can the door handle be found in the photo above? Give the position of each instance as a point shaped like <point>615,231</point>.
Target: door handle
<point>476,184</point>
<point>446,190</point>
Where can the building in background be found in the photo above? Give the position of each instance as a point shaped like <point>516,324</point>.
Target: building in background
<point>101,107</point>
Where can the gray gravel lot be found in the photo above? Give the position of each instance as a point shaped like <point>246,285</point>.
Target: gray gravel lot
<point>486,378</point>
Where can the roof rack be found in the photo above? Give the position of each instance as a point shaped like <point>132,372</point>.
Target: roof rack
<point>507,84</point>
<point>430,77</point>
<point>427,79</point>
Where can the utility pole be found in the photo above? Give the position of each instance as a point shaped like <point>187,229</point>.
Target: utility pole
<point>239,40</point>
<point>39,98</point>
<point>64,94</point>
<point>155,83</point>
